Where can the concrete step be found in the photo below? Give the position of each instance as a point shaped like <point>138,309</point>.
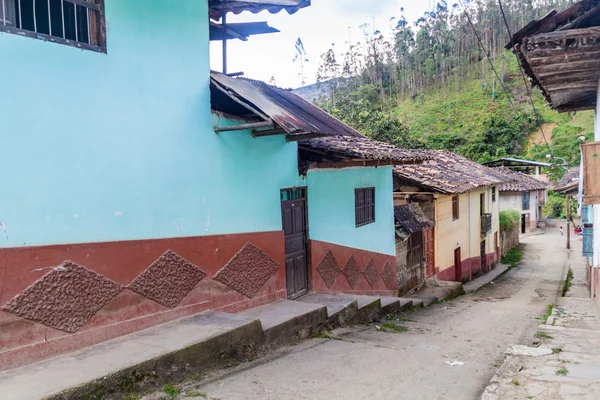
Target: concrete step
<point>369,309</point>
<point>145,359</point>
<point>285,321</point>
<point>394,305</point>
<point>340,309</point>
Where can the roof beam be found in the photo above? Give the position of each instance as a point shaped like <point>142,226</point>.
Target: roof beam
<point>243,127</point>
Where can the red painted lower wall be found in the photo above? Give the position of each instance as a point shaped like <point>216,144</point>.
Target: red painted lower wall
<point>340,269</point>
<point>471,268</point>
<point>49,306</point>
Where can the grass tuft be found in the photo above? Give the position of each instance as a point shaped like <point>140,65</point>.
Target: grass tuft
<point>513,257</point>
<point>516,382</point>
<point>568,282</point>
<point>556,350</point>
<point>171,389</point>
<point>543,335</point>
<point>563,372</point>
<point>548,312</point>
<point>387,327</point>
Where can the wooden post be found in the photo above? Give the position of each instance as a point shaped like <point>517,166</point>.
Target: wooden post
<point>568,221</point>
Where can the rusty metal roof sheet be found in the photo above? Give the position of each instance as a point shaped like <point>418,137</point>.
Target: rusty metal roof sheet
<point>289,111</point>
<point>450,173</point>
<point>255,6</point>
<point>521,182</point>
<point>362,148</point>
<point>411,219</point>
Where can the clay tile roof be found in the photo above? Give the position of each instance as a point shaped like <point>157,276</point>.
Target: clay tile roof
<point>521,182</point>
<point>411,219</point>
<point>363,148</point>
<point>450,173</point>
<point>560,53</point>
<point>569,181</point>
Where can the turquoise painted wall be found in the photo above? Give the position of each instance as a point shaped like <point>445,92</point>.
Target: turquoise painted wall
<point>117,146</point>
<point>331,208</point>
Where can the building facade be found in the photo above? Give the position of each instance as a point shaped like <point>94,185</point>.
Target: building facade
<point>145,188</point>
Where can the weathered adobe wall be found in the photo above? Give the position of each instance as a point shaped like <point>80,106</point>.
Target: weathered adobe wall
<point>509,239</point>
<point>50,306</point>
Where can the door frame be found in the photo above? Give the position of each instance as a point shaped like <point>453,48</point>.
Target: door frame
<point>306,238</point>
<point>458,265</point>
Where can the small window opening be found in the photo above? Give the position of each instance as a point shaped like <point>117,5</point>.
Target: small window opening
<point>78,23</point>
<point>455,208</point>
<point>364,206</point>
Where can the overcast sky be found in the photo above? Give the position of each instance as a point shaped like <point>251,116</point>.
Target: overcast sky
<point>323,23</point>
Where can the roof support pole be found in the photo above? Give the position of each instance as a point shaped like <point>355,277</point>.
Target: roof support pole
<point>243,127</point>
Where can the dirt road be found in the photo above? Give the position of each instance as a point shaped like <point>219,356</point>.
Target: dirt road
<point>368,363</point>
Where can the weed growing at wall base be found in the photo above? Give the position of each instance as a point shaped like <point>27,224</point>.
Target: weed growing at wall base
<point>513,257</point>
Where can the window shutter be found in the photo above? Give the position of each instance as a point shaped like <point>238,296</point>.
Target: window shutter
<point>588,242</point>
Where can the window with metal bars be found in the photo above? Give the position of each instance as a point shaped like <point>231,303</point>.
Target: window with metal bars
<point>78,23</point>
<point>525,200</point>
<point>364,206</point>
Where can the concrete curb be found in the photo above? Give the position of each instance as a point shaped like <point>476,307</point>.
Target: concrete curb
<point>483,280</point>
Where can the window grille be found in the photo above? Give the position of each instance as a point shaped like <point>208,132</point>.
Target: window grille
<point>78,23</point>
<point>526,201</point>
<point>455,208</point>
<point>364,206</point>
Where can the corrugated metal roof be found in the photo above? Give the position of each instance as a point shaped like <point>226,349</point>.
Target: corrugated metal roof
<point>521,182</point>
<point>411,219</point>
<point>450,173</point>
<point>519,161</point>
<point>363,148</point>
<point>255,6</point>
<point>292,113</point>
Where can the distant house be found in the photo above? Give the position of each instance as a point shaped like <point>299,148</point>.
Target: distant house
<point>560,53</point>
<point>525,194</point>
<point>364,249</point>
<point>145,188</point>
<point>462,198</point>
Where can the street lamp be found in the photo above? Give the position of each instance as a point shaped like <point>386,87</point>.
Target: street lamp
<point>564,164</point>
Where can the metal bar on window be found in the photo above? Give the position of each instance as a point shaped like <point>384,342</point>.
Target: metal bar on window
<point>85,3</point>
<point>34,17</point>
<point>49,19</point>
<point>75,15</point>
<point>62,16</point>
<point>3,13</point>
<point>20,16</point>
<point>87,21</point>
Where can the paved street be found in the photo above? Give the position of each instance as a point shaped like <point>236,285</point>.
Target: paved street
<point>368,363</point>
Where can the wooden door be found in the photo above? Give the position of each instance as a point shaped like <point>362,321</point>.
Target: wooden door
<point>293,211</point>
<point>429,238</point>
<point>482,252</point>
<point>458,265</point>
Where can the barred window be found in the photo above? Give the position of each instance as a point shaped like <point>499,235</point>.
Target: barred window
<point>525,198</point>
<point>364,206</point>
<point>78,23</point>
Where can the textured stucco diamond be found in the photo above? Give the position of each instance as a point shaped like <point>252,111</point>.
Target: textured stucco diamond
<point>168,279</point>
<point>371,273</point>
<point>247,271</point>
<point>388,276</point>
<point>328,269</point>
<point>352,271</point>
<point>65,298</point>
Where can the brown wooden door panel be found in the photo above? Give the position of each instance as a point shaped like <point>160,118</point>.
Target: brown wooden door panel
<point>296,237</point>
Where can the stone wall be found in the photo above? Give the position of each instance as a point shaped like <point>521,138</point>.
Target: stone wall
<point>509,239</point>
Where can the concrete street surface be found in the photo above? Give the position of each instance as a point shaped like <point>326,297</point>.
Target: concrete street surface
<point>450,350</point>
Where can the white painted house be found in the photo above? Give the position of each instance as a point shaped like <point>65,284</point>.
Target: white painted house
<point>525,194</point>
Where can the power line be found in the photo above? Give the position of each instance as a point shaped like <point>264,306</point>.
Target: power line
<point>488,57</point>
<point>524,78</point>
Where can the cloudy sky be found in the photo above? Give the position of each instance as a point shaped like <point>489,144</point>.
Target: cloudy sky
<point>320,25</point>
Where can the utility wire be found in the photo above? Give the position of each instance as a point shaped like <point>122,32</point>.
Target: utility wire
<point>488,57</point>
<point>535,111</point>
